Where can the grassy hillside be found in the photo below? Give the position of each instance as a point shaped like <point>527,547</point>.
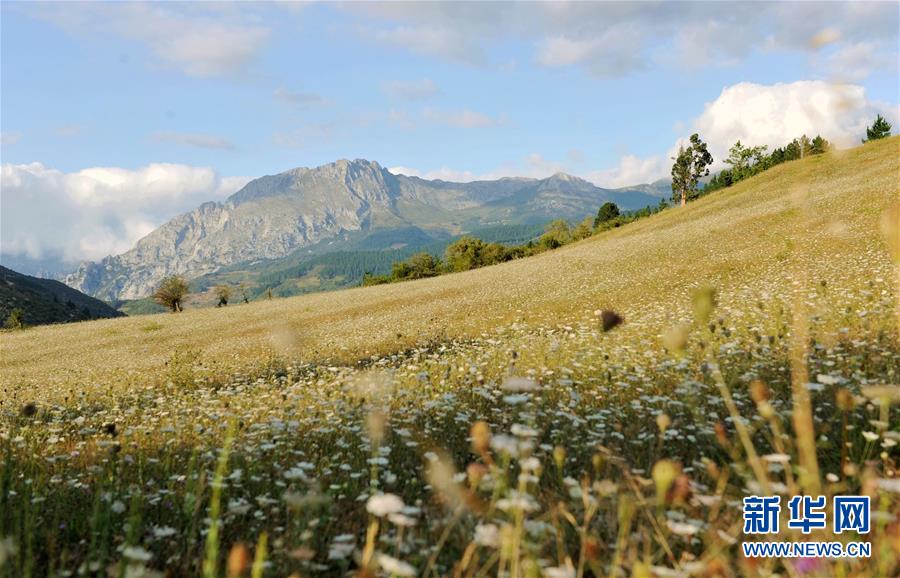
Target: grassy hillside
<point>759,333</point>
<point>44,301</point>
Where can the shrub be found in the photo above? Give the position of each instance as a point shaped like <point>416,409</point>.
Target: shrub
<point>464,254</point>
<point>171,293</point>
<point>223,294</point>
<point>556,235</point>
<point>16,319</point>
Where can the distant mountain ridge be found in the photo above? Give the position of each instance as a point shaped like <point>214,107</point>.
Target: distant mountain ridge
<point>45,301</point>
<point>276,214</point>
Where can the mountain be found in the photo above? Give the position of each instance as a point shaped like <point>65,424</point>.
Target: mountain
<point>276,214</point>
<point>660,188</point>
<point>46,301</point>
<point>48,266</point>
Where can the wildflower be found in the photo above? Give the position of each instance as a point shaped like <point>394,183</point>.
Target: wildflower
<point>777,458</point>
<point>238,560</point>
<point>523,431</point>
<point>663,422</point>
<point>402,520</point>
<point>481,437</point>
<point>137,553</point>
<point>382,505</point>
<point>681,528</point>
<point>487,535</point>
<point>505,444</point>
<point>870,436</point>
<point>559,572</point>
<point>517,501</point>
<point>519,384</point>
<point>163,531</point>
<point>396,567</point>
<point>530,464</point>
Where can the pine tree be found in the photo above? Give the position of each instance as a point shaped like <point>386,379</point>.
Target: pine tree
<point>691,164</point>
<point>819,145</point>
<point>607,212</point>
<point>879,129</point>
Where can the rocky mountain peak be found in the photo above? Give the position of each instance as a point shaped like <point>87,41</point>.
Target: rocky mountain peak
<point>276,214</point>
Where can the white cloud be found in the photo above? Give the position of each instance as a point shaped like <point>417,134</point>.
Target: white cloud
<point>533,166</point>
<point>196,39</point>
<point>619,38</point>
<point>462,118</point>
<point>757,114</point>
<point>412,89</point>
<point>69,130</point>
<point>465,118</point>
<point>401,118</point>
<point>206,141</point>
<point>632,170</point>
<point>773,115</point>
<point>609,53</point>
<point>306,135</point>
<point>97,211</point>
<point>444,42</point>
<point>10,138</point>
<point>299,98</point>
<point>854,62</point>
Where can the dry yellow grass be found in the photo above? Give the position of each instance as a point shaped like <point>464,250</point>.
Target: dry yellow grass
<point>797,218</point>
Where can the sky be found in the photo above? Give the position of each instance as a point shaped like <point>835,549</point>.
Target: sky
<point>116,117</point>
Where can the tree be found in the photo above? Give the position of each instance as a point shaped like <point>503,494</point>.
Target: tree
<point>792,151</point>
<point>607,212</point>
<point>223,294</point>
<point>819,146</point>
<point>745,161</point>
<point>494,253</point>
<point>419,266</point>
<point>369,279</point>
<point>16,319</point>
<point>584,229</point>
<point>556,234</point>
<point>242,287</point>
<point>171,293</point>
<point>691,164</point>
<point>465,253</point>
<point>805,145</point>
<point>777,157</point>
<point>879,129</point>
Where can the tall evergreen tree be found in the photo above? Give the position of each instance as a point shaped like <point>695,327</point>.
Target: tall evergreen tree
<point>879,129</point>
<point>819,145</point>
<point>691,164</point>
<point>607,212</point>
<point>745,161</point>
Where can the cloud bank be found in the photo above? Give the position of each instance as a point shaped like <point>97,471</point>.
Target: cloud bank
<point>97,211</point>
<point>611,39</point>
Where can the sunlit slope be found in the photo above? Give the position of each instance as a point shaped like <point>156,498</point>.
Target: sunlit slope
<point>788,225</point>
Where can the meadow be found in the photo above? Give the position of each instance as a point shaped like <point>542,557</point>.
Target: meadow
<point>597,410</point>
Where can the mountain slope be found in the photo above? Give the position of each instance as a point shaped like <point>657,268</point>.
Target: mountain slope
<point>812,224</point>
<point>47,301</point>
<point>274,215</point>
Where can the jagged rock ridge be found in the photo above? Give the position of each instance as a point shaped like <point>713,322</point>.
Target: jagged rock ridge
<point>276,214</point>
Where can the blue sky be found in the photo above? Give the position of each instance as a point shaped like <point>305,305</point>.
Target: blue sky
<point>96,95</point>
